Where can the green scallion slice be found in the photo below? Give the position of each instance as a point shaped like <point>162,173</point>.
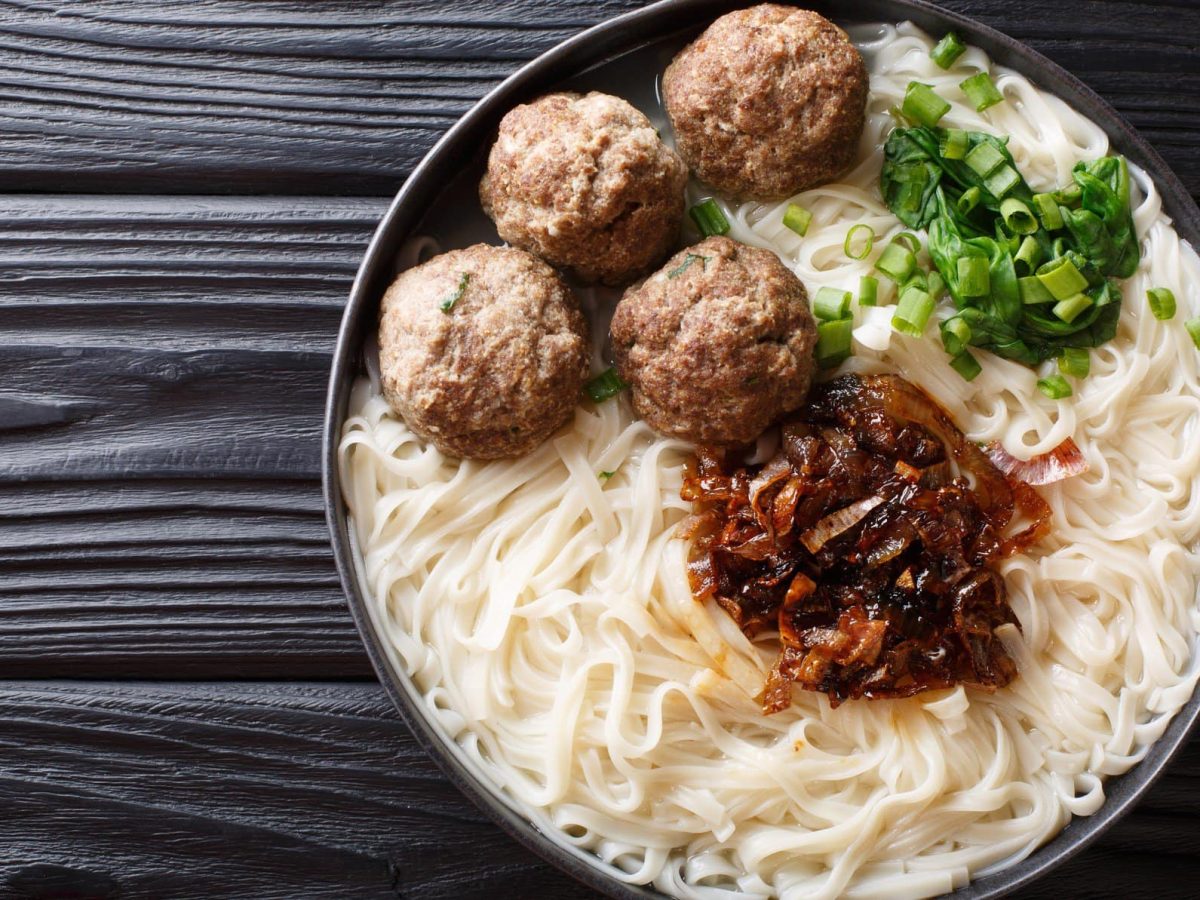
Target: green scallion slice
<point>913,312</point>
<point>981,91</point>
<point>984,159</point>
<point>831,304</point>
<point>1061,278</point>
<point>1068,310</point>
<point>909,240</point>
<point>1033,291</point>
<point>953,144</point>
<point>969,200</point>
<point>1047,210</point>
<point>1058,248</point>
<point>1017,217</point>
<point>709,218</point>
<point>935,284</point>
<point>1070,196</point>
<point>1193,328</point>
<point>973,277</point>
<point>869,242</point>
<point>947,50</point>
<point>607,384</point>
<point>1028,256</point>
<point>966,365</point>
<point>1000,182</point>
<point>868,290</point>
<point>896,262</point>
<point>922,105</point>
<point>446,304</point>
<point>1162,303</point>
<point>797,218</point>
<point>1075,361</point>
<point>1055,387</point>
<point>833,342</point>
<point>956,335</point>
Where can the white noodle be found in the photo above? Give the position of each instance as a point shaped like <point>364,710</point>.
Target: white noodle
<point>544,613</point>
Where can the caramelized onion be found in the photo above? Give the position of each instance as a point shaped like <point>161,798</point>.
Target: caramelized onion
<point>858,543</point>
<point>1064,461</point>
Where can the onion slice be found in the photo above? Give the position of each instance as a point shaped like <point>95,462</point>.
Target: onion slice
<point>838,522</point>
<point>1064,461</point>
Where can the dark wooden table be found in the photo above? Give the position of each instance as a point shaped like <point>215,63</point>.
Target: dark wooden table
<point>185,710</point>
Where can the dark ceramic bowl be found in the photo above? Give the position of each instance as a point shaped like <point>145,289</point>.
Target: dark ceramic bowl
<point>643,42</point>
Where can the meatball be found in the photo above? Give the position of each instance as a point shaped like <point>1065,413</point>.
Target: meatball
<point>768,101</point>
<point>483,351</point>
<point>585,182</point>
<point>717,344</point>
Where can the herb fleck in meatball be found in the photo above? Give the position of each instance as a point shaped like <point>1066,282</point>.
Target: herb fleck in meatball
<point>717,344</point>
<point>768,101</point>
<point>585,182</point>
<point>483,351</point>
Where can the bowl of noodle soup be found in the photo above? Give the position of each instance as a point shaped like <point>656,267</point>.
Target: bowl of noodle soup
<point>534,626</point>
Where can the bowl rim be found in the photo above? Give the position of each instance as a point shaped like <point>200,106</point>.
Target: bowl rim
<point>602,42</point>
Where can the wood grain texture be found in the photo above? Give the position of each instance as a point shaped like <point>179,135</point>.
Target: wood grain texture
<point>268,790</point>
<point>344,98</point>
<point>162,382</point>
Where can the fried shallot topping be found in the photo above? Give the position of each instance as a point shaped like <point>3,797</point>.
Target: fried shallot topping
<point>863,548</point>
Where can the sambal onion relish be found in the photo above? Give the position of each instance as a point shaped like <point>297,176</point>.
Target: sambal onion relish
<point>862,548</point>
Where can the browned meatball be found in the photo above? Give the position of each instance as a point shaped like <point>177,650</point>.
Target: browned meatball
<point>584,182</point>
<point>768,101</point>
<point>483,351</point>
<point>717,344</point>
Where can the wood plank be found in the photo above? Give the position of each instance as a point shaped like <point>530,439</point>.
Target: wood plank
<point>169,337</point>
<point>289,97</point>
<point>271,790</point>
<point>163,366</point>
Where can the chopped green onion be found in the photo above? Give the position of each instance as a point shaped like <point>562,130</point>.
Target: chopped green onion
<point>969,200</point>
<point>1193,328</point>
<point>908,239</point>
<point>1075,361</point>
<point>1068,310</point>
<point>913,312</point>
<point>981,91</point>
<point>1047,210</point>
<point>1033,291</point>
<point>831,304</point>
<point>1061,278</point>
<point>1162,303</point>
<point>607,384</point>
<point>1058,248</point>
<point>956,335</point>
<point>709,218</point>
<point>922,105</point>
<point>870,241</point>
<point>896,262</point>
<point>1055,387</point>
<point>984,159</point>
<point>604,476</point>
<point>1070,196</point>
<point>868,290</point>
<point>1028,255</point>
<point>833,342</point>
<point>447,303</point>
<point>966,365</point>
<point>1000,182</point>
<point>973,277</point>
<point>947,50</point>
<point>953,144</point>
<point>797,218</point>
<point>1017,217</point>
<point>687,262</point>
<point>935,285</point>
